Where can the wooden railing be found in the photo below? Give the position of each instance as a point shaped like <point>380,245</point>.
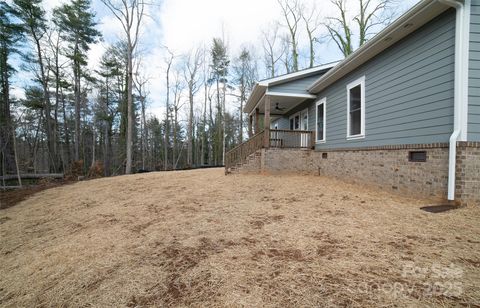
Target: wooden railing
<point>280,138</point>
<point>239,154</point>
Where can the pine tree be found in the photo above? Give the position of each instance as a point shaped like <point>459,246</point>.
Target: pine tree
<point>76,21</point>
<point>10,35</point>
<point>219,72</point>
<point>32,16</point>
<point>245,76</point>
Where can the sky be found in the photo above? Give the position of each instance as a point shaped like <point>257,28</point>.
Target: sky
<point>182,25</point>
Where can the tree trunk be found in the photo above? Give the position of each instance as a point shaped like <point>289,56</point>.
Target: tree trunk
<point>46,103</point>
<point>144,132</point>
<point>6,141</point>
<point>65,130</point>
<point>167,128</point>
<point>130,116</point>
<point>174,150</point>
<point>204,132</point>
<point>190,129</point>
<point>210,129</point>
<point>77,106</point>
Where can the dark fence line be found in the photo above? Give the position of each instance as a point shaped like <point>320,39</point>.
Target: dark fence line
<point>181,169</point>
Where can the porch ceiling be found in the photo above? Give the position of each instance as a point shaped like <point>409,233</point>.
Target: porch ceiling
<point>285,104</point>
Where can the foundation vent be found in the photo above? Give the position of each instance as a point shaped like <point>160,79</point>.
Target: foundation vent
<point>417,156</point>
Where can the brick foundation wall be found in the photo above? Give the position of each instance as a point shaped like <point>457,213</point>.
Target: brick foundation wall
<point>468,173</point>
<point>387,168</point>
<point>390,169</point>
<point>287,161</point>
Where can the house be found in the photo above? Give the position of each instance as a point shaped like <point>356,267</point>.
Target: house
<point>402,112</point>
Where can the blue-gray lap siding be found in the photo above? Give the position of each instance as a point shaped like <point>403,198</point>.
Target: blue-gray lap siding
<point>297,86</point>
<point>282,123</point>
<point>474,80</point>
<point>409,92</point>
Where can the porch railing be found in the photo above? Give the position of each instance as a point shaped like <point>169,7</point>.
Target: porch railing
<point>239,154</point>
<point>280,138</point>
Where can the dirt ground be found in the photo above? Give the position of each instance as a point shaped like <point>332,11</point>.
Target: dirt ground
<point>199,238</point>
<point>9,198</point>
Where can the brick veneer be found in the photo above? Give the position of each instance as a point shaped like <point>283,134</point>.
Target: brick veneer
<point>387,167</point>
<point>468,173</point>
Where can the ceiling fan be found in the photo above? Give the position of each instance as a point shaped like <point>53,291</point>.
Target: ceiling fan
<point>279,108</point>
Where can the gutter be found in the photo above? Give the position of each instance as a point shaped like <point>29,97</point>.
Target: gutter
<point>460,118</point>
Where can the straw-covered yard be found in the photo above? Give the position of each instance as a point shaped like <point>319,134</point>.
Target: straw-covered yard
<point>202,238</point>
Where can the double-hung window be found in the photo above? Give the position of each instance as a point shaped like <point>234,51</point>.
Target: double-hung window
<point>356,109</point>
<point>321,108</point>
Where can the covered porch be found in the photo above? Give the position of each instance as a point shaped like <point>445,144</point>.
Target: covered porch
<point>277,105</point>
<point>278,115</point>
<point>261,133</point>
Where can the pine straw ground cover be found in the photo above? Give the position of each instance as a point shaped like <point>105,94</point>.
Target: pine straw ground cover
<point>198,238</point>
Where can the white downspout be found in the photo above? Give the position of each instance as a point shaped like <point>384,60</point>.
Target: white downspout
<point>460,87</point>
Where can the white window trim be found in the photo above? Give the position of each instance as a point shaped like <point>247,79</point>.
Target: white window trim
<point>360,81</point>
<point>319,102</point>
<point>299,114</point>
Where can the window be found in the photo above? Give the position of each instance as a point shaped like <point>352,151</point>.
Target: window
<point>417,156</point>
<point>304,120</point>
<point>295,122</point>
<point>356,109</point>
<point>321,123</point>
<point>299,121</point>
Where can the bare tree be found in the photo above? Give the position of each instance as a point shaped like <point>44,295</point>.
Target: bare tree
<point>287,58</point>
<point>140,86</point>
<point>292,14</point>
<point>192,65</point>
<point>177,105</point>
<point>311,18</point>
<point>130,14</point>
<point>245,74</point>
<point>270,40</point>
<point>372,14</point>
<point>206,89</point>
<point>339,28</point>
<point>168,62</point>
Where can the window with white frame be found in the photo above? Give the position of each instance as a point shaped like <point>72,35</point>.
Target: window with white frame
<point>321,108</point>
<point>356,109</point>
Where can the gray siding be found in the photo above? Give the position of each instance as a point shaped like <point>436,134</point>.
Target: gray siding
<point>409,92</point>
<point>297,86</point>
<point>283,123</point>
<point>474,80</point>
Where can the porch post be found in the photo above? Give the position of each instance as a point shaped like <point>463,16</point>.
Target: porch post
<point>250,120</point>
<point>257,121</point>
<point>266,122</point>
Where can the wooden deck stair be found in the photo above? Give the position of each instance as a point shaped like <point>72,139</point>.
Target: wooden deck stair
<point>243,153</point>
<point>247,156</point>
<point>252,163</point>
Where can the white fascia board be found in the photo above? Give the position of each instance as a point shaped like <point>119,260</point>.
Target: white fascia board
<point>284,94</point>
<point>258,91</point>
<point>296,75</point>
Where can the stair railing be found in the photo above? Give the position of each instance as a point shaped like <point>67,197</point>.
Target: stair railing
<point>240,153</point>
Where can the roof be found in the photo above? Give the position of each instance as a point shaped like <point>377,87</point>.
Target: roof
<point>416,17</point>
<point>261,86</point>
